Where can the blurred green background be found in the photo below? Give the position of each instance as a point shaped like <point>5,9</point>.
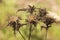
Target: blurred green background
<point>9,7</point>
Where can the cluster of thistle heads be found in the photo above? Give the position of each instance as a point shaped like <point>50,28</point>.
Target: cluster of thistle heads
<point>32,19</point>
